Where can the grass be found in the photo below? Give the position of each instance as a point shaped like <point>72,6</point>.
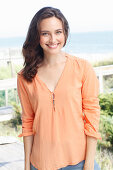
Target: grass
<point>6,129</point>
<point>9,72</point>
<point>104,157</point>
<point>103,63</point>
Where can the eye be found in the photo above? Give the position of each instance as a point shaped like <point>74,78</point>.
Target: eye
<point>58,32</point>
<point>44,34</point>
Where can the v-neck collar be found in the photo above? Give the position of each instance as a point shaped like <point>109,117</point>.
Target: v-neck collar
<point>60,78</point>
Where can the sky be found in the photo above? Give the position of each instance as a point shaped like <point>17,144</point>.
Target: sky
<point>82,15</point>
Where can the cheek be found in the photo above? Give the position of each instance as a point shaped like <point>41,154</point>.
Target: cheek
<point>62,39</point>
<point>42,40</point>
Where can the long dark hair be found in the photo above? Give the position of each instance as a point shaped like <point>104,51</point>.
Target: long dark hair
<point>32,51</point>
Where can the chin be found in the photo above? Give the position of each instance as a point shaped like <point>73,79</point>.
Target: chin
<point>53,51</point>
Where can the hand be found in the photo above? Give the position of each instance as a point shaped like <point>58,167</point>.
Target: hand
<point>27,166</point>
<point>88,166</point>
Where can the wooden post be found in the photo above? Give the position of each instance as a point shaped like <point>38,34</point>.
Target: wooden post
<point>101,82</point>
<point>11,65</point>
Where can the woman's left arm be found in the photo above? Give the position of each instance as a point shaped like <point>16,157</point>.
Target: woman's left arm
<point>90,153</point>
<point>91,110</point>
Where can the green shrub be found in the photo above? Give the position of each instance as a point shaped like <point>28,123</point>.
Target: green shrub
<point>16,120</point>
<point>2,98</point>
<point>12,97</point>
<point>106,129</point>
<point>106,120</point>
<point>106,103</point>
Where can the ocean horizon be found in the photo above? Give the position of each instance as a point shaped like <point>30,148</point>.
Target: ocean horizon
<point>87,42</point>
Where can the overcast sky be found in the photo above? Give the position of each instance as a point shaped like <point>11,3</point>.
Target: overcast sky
<point>82,15</point>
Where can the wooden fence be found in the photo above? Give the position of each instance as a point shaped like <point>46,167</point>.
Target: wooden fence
<point>12,83</point>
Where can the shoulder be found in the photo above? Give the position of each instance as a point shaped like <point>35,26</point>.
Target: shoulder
<point>20,78</point>
<point>20,72</point>
<point>81,62</point>
<point>21,81</point>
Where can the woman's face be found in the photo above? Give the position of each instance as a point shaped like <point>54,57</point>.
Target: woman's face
<point>52,36</point>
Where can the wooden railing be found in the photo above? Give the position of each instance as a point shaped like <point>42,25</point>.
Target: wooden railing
<point>6,85</point>
<point>12,83</point>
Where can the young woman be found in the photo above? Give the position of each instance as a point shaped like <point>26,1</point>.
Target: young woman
<point>59,98</point>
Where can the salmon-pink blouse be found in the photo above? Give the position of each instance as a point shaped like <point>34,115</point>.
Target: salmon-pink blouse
<point>60,120</point>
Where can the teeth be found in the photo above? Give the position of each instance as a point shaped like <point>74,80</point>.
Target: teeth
<point>52,46</point>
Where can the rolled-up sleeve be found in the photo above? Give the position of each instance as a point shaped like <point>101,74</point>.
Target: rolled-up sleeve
<point>27,111</point>
<point>90,101</point>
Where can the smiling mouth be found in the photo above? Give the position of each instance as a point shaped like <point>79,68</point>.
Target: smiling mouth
<point>52,46</point>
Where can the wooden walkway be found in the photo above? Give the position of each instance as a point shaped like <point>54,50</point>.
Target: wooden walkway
<point>11,155</point>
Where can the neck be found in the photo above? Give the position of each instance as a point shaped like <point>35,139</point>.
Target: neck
<point>53,59</point>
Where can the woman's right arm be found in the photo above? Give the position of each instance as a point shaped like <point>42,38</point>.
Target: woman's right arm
<point>27,119</point>
<point>28,141</point>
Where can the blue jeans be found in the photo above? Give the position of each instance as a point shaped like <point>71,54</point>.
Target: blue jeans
<point>78,166</point>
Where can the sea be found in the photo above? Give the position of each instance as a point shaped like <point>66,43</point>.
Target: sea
<point>93,46</point>
<point>87,42</point>
<point>90,42</point>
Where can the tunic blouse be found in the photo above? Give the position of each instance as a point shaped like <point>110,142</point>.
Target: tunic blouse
<point>60,120</point>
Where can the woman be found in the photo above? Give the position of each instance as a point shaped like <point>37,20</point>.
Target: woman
<point>59,98</point>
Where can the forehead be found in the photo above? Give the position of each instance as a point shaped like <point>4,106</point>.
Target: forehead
<point>50,23</point>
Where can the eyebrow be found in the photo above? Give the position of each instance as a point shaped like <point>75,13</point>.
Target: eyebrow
<point>49,31</point>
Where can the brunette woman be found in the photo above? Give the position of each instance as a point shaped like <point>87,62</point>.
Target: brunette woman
<point>59,98</point>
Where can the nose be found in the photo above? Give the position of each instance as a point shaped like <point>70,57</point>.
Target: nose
<point>52,38</point>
